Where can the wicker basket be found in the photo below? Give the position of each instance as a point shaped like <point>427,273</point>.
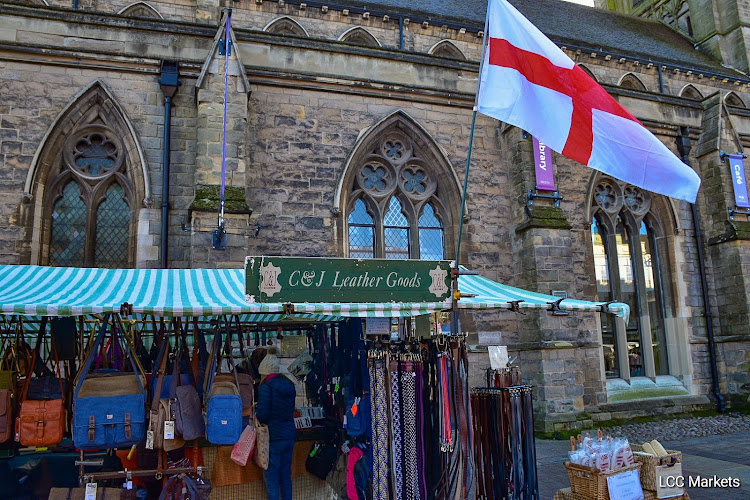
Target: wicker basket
<point>650,462</point>
<point>588,483</point>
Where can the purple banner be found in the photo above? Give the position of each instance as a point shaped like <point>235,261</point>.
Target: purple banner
<point>738,180</point>
<point>545,167</point>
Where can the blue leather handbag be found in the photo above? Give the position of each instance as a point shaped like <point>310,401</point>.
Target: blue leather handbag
<point>223,401</point>
<point>109,409</point>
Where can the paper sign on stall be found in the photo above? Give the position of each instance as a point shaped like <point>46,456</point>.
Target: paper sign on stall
<point>378,326</point>
<point>625,486</point>
<point>498,356</point>
<point>668,477</point>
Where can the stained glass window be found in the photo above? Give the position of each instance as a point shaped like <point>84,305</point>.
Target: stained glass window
<point>361,233</point>
<point>396,232</point>
<point>431,244</point>
<point>68,238</point>
<point>112,230</point>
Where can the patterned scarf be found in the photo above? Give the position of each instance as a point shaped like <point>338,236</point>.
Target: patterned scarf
<point>379,413</point>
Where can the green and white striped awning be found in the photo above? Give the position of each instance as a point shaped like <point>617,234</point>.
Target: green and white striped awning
<point>67,291</point>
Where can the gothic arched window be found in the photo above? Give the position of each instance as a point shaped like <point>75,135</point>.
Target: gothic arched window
<point>90,216</point>
<point>395,206</point>
<point>628,268</point>
<point>447,49</point>
<point>285,26</point>
<point>630,81</point>
<point>360,36</point>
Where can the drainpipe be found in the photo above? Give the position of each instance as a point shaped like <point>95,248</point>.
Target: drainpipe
<point>684,146</point>
<point>661,80</point>
<point>401,33</point>
<point>169,83</point>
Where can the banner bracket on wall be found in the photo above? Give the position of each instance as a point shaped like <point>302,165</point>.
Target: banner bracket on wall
<point>533,194</point>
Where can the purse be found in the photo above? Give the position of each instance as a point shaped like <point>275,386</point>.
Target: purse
<point>243,448</point>
<point>161,411</point>
<point>8,387</point>
<point>181,486</point>
<point>109,409</point>
<point>184,399</point>
<point>262,451</point>
<point>245,381</point>
<point>42,422</point>
<point>321,460</point>
<point>223,401</point>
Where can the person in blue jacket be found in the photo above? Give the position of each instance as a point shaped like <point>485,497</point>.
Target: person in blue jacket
<point>275,408</point>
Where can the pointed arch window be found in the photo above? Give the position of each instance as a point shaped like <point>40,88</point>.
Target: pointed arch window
<point>90,218</point>
<point>360,36</point>
<point>396,207</point>
<point>361,232</point>
<point>630,81</point>
<point>628,269</point>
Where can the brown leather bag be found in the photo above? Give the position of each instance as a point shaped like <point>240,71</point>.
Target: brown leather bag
<point>42,423</point>
<point>7,399</point>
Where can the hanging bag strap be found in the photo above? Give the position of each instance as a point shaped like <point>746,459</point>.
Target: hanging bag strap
<point>228,352</point>
<point>90,358</point>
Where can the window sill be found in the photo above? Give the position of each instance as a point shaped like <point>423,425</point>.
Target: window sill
<point>644,388</point>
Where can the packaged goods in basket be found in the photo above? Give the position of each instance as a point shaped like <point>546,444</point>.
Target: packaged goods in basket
<point>605,454</point>
<point>599,463</point>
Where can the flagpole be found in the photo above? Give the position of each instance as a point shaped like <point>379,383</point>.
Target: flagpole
<point>466,183</point>
<point>471,143</point>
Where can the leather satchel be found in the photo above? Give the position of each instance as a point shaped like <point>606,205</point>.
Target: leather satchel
<point>42,422</point>
<point>8,387</point>
<point>109,409</point>
<point>7,400</point>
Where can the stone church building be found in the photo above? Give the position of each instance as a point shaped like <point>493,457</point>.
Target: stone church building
<point>348,126</point>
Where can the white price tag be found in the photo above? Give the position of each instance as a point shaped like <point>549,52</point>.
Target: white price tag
<point>169,429</point>
<point>90,491</point>
<point>149,440</point>
<point>129,485</point>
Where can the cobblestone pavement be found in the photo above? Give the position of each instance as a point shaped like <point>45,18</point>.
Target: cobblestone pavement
<point>710,446</point>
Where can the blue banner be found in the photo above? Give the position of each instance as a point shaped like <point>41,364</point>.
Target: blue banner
<point>739,181</point>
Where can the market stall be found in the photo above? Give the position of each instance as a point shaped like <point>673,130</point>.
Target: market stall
<point>391,392</point>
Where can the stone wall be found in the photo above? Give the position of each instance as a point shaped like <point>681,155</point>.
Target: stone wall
<point>290,136</point>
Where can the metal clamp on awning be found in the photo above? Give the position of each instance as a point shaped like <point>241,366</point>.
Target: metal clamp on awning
<point>605,307</point>
<point>515,307</point>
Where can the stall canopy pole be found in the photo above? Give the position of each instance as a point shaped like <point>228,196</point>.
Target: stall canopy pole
<point>219,240</point>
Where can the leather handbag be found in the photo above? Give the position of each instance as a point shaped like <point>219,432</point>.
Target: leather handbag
<point>8,388</point>
<point>42,422</point>
<point>7,401</point>
<point>223,401</point>
<point>161,411</point>
<point>109,409</point>
<point>184,399</point>
<point>262,452</point>
<point>245,381</point>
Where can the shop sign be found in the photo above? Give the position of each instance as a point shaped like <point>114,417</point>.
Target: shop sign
<point>311,279</point>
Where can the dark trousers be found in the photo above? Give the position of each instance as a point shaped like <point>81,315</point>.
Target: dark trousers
<point>279,473</point>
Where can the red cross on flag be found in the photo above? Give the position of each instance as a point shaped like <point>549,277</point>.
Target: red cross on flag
<point>527,81</point>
